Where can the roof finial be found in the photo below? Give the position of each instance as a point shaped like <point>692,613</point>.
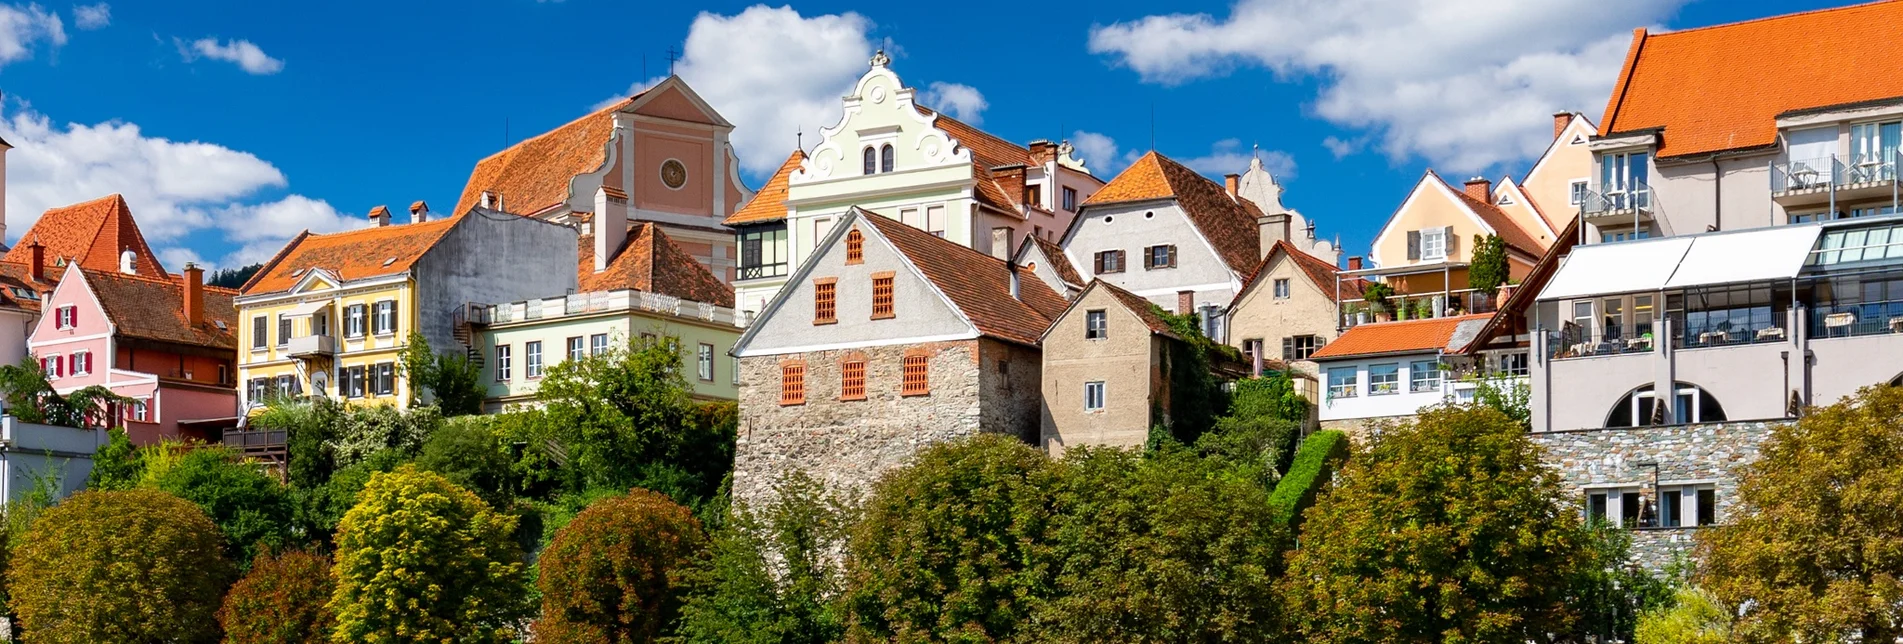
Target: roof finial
<point>879,59</point>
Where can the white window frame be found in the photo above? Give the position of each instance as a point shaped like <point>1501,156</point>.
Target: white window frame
<point>1349,387</point>
<point>1615,503</point>
<point>354,319</point>
<point>1094,396</point>
<point>704,362</point>
<point>1393,385</point>
<point>597,344</point>
<point>66,317</point>
<point>503,367</point>
<point>385,321</point>
<point>1423,376</point>
<point>1281,288</point>
<point>80,358</point>
<point>139,411</point>
<point>1096,325</point>
<point>532,359</point>
<point>1576,191</point>
<point>577,348</point>
<point>1434,244</point>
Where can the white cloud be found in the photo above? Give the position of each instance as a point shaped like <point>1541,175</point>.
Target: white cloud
<point>1105,158</point>
<point>242,53</point>
<point>1467,84</point>
<point>175,258</point>
<point>962,102</point>
<point>23,27</point>
<point>177,189</point>
<point>1340,147</point>
<point>774,72</point>
<point>88,17</point>
<point>1100,153</point>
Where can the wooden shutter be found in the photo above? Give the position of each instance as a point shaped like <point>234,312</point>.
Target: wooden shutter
<point>1453,243</point>
<point>1172,255</point>
<point>1098,258</point>
<point>1288,348</point>
<point>1413,244</point>
<point>916,376</point>
<point>793,383</point>
<point>1147,254</point>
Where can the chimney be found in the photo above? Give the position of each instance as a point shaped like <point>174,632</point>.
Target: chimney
<point>1001,243</point>
<point>610,224</point>
<point>1185,302</point>
<point>488,200</point>
<point>380,216</point>
<point>38,251</point>
<point>419,212</point>
<point>1273,228</point>
<point>1560,121</point>
<point>194,294</point>
<point>1230,183</point>
<point>1042,151</point>
<point>1354,263</point>
<point>1480,189</point>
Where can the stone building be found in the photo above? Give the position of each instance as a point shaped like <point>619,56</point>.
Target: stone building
<point>1107,360</point>
<point>887,339</point>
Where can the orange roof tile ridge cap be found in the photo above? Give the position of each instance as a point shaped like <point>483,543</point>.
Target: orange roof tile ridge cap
<point>617,106</point>
<point>265,269</point>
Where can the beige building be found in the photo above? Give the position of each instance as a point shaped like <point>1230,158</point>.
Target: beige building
<point>1106,362</point>
<point>1425,248</point>
<point>1287,311</point>
<point>1548,197</point>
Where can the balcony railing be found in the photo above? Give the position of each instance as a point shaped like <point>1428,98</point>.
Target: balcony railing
<point>1723,335</point>
<point>1632,200</point>
<point>1832,180</point>
<point>1572,344</point>
<point>311,346</point>
<point>760,271</point>
<point>1848,320</point>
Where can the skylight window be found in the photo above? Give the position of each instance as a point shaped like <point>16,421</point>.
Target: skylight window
<point>389,261</point>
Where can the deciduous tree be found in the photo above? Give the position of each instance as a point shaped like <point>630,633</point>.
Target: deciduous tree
<point>616,574</point>
<point>772,575</point>
<point>282,600</point>
<point>248,507</point>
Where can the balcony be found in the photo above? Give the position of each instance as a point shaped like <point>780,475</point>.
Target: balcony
<point>1832,180</point>
<point>1631,204</point>
<point>312,346</point>
<point>1570,343</point>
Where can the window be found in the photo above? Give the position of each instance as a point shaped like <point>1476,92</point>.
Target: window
<point>1623,178</point>
<point>793,383</point>
<point>1596,508</point>
<point>351,382</point>
<point>1384,379</point>
<point>576,350</point>
<point>935,220</point>
<point>284,330</point>
<point>502,362</point>
<point>383,378</point>
<point>258,335</point>
<point>852,380</point>
<point>353,321</point>
<point>1423,376</point>
<point>1343,382</point>
<point>1582,317</point>
<point>882,296</point>
<point>66,317</point>
<point>916,379</point>
<point>855,247</point>
<point>1300,347</point>
<point>1641,408</point>
<point>51,366</point>
<point>255,390</point>
<point>704,362</point>
<point>288,386</point>
<point>82,363</point>
<point>1109,261</point>
<point>532,352</point>
<point>386,318</point>
<point>762,252</point>
<point>735,368</point>
<point>1707,512</point>
<point>823,302</point>
<point>1618,507</point>
<point>1034,194</point>
<point>1093,396</point>
<point>1625,235</point>
<point>1514,364</point>
<point>597,344</point>
<point>1159,256</point>
<point>320,323</point>
<point>1577,192</point>
<point>885,158</point>
<point>1281,288</point>
<point>1070,199</point>
<point>871,159</point>
<point>1873,151</point>
<point>138,411</point>
<point>1642,315</point>
<point>1434,243</point>
<point>1096,326</point>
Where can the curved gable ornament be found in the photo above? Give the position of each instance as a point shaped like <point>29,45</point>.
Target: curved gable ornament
<point>879,90</point>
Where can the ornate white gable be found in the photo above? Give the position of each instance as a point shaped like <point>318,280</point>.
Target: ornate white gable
<point>880,111</point>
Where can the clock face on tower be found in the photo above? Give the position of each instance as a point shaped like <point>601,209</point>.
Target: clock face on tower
<point>674,174</point>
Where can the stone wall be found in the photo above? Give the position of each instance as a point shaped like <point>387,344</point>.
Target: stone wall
<point>849,444</point>
<point>1684,453</point>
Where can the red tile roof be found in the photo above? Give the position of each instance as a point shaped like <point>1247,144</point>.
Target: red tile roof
<point>1224,221</point>
<point>91,234</point>
<point>1320,273</point>
<point>1722,87</point>
<point>1516,306</point>
<point>769,204</point>
<point>1137,304</point>
<point>650,261</point>
<point>533,175</point>
<point>979,285</point>
<point>19,276</point>
<point>987,152</point>
<point>353,255</point>
<point>153,309</point>
<point>1517,238</point>
<point>1411,336</point>
<point>1060,262</point>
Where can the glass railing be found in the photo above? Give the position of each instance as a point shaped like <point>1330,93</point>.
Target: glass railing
<point>1572,344</point>
<point>1697,337</point>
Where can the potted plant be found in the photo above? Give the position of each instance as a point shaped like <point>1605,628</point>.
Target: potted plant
<point>1376,294</point>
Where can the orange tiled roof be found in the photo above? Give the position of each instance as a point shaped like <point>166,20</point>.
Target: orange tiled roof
<point>1059,261</point>
<point>649,261</point>
<point>1722,87</point>
<point>1223,220</point>
<point>91,234</point>
<point>1320,273</point>
<point>987,152</point>
<point>1411,336</point>
<point>19,275</point>
<point>978,284</point>
<point>1143,308</point>
<point>353,255</point>
<point>153,309</point>
<point>533,175</point>
<point>1510,231</point>
<point>769,204</point>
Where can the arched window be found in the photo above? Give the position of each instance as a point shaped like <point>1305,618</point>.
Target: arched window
<point>1690,404</point>
<point>855,247</point>
<point>872,162</point>
<point>885,158</point>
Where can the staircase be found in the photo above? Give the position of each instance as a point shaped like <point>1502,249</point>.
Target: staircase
<point>462,328</point>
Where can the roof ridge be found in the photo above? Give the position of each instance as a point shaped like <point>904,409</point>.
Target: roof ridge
<point>947,242</point>
<point>1796,14</point>
<point>591,114</point>
<point>389,228</point>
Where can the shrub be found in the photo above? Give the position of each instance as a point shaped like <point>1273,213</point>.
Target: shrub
<point>416,541</point>
<point>115,464</point>
<point>249,507</point>
<point>1695,617</point>
<point>281,601</point>
<point>1315,463</point>
<point>120,566</point>
<point>771,575</point>
<point>469,454</point>
<point>615,574</point>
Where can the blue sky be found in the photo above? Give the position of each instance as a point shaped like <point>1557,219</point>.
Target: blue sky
<point>232,125</point>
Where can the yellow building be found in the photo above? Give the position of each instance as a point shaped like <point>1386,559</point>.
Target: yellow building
<point>331,314</point>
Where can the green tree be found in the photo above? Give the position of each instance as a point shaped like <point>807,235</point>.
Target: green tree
<point>616,573</point>
<point>363,431</point>
<point>449,380</point>
<point>1488,268</point>
<point>1508,395</point>
<point>249,508</point>
<point>419,559</point>
<point>1694,617</point>
<point>1808,548</point>
<point>310,426</point>
<point>770,576</point>
<point>1163,548</point>
<point>116,464</point>
<point>281,601</point>
<point>1322,453</point>
<point>1377,295</point>
<point>1196,397</point>
<point>1609,591</point>
<point>1448,529</point>
<point>470,454</point>
<point>32,399</point>
<point>1259,432</point>
<point>941,552</point>
<point>233,278</point>
<point>120,566</point>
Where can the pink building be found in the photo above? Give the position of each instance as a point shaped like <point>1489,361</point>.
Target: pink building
<point>165,342</point>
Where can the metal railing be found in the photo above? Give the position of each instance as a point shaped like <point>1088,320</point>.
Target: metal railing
<point>1850,320</point>
<point>1830,172</point>
<point>1724,334</point>
<point>1564,344</point>
<point>1599,201</point>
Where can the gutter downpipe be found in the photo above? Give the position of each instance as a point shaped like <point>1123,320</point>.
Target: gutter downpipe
<point>1717,195</point>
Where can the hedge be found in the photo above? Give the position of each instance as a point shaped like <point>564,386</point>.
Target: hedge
<point>1315,463</point>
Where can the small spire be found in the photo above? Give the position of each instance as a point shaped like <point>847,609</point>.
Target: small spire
<point>879,59</point>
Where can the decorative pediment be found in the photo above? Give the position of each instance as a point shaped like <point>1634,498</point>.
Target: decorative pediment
<point>880,111</point>
<point>314,280</point>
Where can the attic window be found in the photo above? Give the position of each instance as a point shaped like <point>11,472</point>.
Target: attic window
<point>1578,139</point>
<point>389,261</point>
<point>221,325</point>
<point>1506,200</point>
<point>297,272</point>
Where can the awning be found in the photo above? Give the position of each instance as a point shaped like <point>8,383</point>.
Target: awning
<point>307,308</point>
<point>1626,267</point>
<point>1775,253</point>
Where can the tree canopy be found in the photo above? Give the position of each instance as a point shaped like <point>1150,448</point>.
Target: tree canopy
<point>282,600</point>
<point>617,573</point>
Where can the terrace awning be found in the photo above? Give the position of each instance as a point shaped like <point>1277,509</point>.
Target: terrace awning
<point>1758,255</point>
<point>307,308</point>
<point>1606,269</point>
